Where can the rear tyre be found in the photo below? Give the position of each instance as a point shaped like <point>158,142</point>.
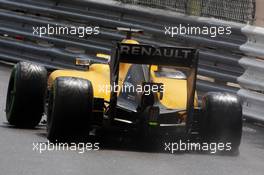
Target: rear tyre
<point>26,95</point>
<point>70,109</point>
<point>222,121</point>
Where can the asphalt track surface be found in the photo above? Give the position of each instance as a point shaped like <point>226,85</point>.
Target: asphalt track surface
<point>18,158</point>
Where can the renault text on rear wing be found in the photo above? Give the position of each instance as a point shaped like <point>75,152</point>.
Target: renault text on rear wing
<point>145,54</point>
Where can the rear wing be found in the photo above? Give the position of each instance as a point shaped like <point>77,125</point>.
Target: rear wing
<point>167,56</point>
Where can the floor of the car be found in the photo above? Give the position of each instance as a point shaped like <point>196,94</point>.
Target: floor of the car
<point>126,104</point>
<point>164,110</point>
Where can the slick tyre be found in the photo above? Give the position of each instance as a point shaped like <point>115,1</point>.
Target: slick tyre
<point>26,95</point>
<point>70,109</point>
<point>222,121</point>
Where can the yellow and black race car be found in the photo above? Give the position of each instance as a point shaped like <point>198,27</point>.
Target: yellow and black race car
<point>147,89</point>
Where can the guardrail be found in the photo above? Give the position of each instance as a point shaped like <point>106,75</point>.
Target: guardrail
<point>218,68</point>
<point>222,59</point>
<point>252,81</point>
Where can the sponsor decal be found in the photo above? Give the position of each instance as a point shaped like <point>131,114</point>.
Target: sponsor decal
<point>166,52</point>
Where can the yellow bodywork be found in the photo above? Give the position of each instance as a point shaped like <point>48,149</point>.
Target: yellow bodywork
<point>175,90</point>
<point>98,74</point>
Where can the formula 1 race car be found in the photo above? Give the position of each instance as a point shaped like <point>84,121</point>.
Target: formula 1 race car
<point>150,90</point>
